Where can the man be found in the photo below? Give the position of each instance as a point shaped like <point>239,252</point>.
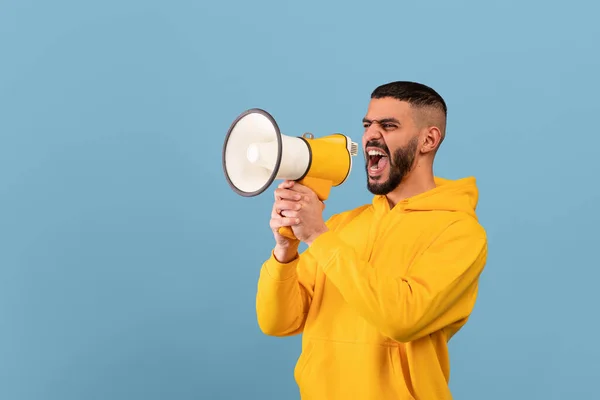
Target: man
<point>382,288</point>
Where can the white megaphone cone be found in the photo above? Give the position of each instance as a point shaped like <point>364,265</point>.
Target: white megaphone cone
<point>255,153</point>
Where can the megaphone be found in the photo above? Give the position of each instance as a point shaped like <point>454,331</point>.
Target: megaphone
<point>255,153</point>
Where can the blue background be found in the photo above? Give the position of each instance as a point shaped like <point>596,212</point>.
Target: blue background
<point>128,267</point>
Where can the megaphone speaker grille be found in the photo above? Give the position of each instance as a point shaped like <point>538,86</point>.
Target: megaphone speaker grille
<point>248,170</point>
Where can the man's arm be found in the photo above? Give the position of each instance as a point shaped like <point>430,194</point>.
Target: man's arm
<point>285,290</point>
<point>439,290</point>
<point>284,294</point>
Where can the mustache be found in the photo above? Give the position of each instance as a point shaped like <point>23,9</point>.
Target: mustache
<point>380,145</point>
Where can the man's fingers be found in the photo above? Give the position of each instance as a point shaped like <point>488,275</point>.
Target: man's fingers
<point>289,214</point>
<point>286,184</point>
<point>282,205</point>
<point>303,192</point>
<point>287,205</point>
<point>286,194</point>
<point>298,187</point>
<point>278,222</point>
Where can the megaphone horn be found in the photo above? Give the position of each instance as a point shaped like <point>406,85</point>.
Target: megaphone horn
<point>255,153</point>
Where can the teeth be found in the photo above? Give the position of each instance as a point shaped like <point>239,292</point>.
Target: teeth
<point>376,153</point>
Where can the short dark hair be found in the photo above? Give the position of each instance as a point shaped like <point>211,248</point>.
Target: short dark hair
<point>414,93</point>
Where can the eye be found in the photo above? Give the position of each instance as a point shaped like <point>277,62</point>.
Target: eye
<point>388,126</point>
<point>366,125</point>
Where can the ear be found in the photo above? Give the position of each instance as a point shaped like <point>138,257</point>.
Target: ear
<point>431,137</point>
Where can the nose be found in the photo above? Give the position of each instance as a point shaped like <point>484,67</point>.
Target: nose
<point>372,132</point>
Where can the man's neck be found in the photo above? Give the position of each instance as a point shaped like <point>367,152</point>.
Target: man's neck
<point>417,182</point>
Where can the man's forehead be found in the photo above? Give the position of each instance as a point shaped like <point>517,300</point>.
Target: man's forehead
<point>388,108</point>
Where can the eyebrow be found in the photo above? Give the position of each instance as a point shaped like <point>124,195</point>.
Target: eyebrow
<point>382,121</point>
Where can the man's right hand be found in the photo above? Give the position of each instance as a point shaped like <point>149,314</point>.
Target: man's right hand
<point>285,200</point>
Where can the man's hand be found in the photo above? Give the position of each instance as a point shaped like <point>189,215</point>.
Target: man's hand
<point>285,201</point>
<point>303,207</point>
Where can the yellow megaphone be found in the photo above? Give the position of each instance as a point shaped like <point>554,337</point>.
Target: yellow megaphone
<point>255,153</point>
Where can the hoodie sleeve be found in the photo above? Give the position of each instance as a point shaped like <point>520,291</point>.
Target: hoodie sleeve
<point>439,289</point>
<point>284,294</point>
<point>285,291</point>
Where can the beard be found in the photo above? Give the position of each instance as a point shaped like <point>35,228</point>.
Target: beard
<point>399,165</point>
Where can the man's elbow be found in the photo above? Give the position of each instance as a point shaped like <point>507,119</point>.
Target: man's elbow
<point>267,326</point>
<point>271,327</point>
<point>270,330</point>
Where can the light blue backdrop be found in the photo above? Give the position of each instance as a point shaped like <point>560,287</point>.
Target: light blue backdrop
<point>128,267</point>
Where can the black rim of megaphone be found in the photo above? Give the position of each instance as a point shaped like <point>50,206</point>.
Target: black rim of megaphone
<point>277,161</point>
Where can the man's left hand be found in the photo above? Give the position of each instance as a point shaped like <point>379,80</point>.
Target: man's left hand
<point>310,214</point>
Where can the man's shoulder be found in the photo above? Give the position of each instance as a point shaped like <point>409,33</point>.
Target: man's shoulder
<point>461,226</point>
<point>426,229</point>
<point>468,223</point>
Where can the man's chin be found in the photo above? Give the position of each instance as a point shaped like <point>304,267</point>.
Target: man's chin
<point>379,178</point>
<point>378,185</point>
<point>379,182</point>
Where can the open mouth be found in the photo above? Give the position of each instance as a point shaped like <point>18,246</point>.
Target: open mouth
<point>377,161</point>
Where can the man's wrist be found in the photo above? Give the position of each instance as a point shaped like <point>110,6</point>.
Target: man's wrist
<point>313,237</point>
<point>285,254</point>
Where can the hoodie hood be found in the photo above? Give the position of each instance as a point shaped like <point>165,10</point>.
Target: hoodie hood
<point>449,195</point>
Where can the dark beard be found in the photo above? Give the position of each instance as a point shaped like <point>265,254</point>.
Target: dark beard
<point>399,165</point>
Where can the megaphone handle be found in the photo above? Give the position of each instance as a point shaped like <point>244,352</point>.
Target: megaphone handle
<point>321,187</point>
<point>287,232</point>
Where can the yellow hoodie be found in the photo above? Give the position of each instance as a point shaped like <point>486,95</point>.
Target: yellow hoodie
<point>378,297</point>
